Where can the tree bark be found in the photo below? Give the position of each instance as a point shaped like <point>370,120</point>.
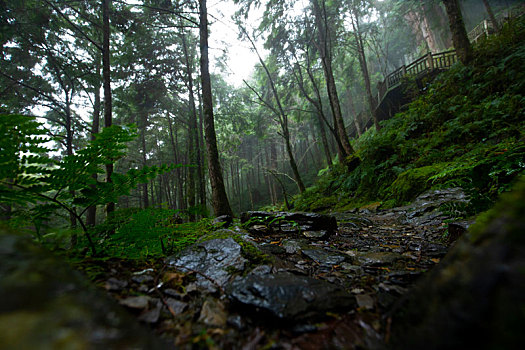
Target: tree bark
<point>457,28</point>
<point>144,187</point>
<point>106,73</point>
<point>493,20</point>
<point>91,214</point>
<point>326,59</point>
<point>193,133</point>
<point>220,203</point>
<point>364,67</point>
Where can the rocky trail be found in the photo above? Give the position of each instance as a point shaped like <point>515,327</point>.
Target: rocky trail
<point>311,282</point>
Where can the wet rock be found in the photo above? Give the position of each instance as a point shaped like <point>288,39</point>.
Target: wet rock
<point>457,229</point>
<point>139,302</point>
<point>215,261</point>
<point>316,234</point>
<point>224,221</point>
<point>291,246</point>
<point>365,301</point>
<point>290,222</point>
<point>114,284</point>
<point>176,306</point>
<point>173,293</point>
<point>269,248</point>
<point>289,297</point>
<point>352,220</point>
<point>475,295</point>
<point>376,258</point>
<point>213,313</point>
<point>261,270</point>
<point>351,268</point>
<point>152,315</point>
<point>236,321</point>
<point>44,304</point>
<point>142,279</point>
<point>323,257</point>
<point>425,208</point>
<point>435,250</point>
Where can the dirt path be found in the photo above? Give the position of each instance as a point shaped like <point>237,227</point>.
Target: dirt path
<point>373,257</point>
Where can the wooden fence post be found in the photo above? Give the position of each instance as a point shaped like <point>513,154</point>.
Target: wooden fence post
<point>430,61</point>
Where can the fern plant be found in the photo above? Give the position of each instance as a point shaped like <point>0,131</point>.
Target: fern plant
<point>30,178</point>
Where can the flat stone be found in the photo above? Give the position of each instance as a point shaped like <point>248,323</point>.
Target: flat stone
<point>176,306</point>
<point>139,302</point>
<point>316,234</point>
<point>284,295</point>
<point>213,313</point>
<point>293,246</point>
<point>290,222</point>
<point>152,315</point>
<point>365,301</point>
<point>376,258</point>
<point>114,284</point>
<point>323,257</point>
<point>142,279</point>
<point>214,260</point>
<point>351,268</point>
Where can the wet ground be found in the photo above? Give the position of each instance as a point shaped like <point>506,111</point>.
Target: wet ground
<point>316,289</point>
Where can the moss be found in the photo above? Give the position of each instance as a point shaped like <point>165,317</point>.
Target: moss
<point>413,182</point>
<point>248,250</point>
<point>506,216</point>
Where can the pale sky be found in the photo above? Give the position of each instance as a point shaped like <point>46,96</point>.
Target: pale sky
<point>224,35</point>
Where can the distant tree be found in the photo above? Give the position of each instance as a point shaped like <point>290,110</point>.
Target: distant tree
<point>355,16</point>
<point>492,18</point>
<point>325,51</point>
<point>459,33</point>
<point>106,73</point>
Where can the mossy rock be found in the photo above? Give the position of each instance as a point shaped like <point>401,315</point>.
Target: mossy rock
<point>411,183</point>
<point>475,295</point>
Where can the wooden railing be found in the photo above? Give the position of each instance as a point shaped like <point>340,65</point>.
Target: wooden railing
<point>486,27</point>
<point>418,68</point>
<point>439,61</point>
<point>442,60</point>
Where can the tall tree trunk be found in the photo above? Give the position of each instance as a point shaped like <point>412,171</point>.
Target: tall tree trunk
<point>459,34</point>
<point>91,214</point>
<point>144,186</point>
<point>492,18</point>
<point>326,60</point>
<point>364,67</point>
<point>190,184</point>
<point>69,152</point>
<point>106,73</point>
<point>320,118</point>
<point>220,203</point>
<point>324,140</point>
<point>200,158</point>
<point>193,133</point>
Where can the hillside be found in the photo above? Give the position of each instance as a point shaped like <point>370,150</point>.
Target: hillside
<point>465,130</point>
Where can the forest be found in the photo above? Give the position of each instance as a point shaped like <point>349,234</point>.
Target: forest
<point>276,174</point>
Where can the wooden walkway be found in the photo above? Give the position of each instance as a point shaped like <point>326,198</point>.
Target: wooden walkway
<point>390,96</point>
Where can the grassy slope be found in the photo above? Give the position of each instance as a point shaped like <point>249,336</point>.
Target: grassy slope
<point>467,130</point>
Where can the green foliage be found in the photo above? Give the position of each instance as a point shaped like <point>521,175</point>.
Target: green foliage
<point>33,181</point>
<point>152,232</point>
<point>467,130</point>
<point>413,182</point>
